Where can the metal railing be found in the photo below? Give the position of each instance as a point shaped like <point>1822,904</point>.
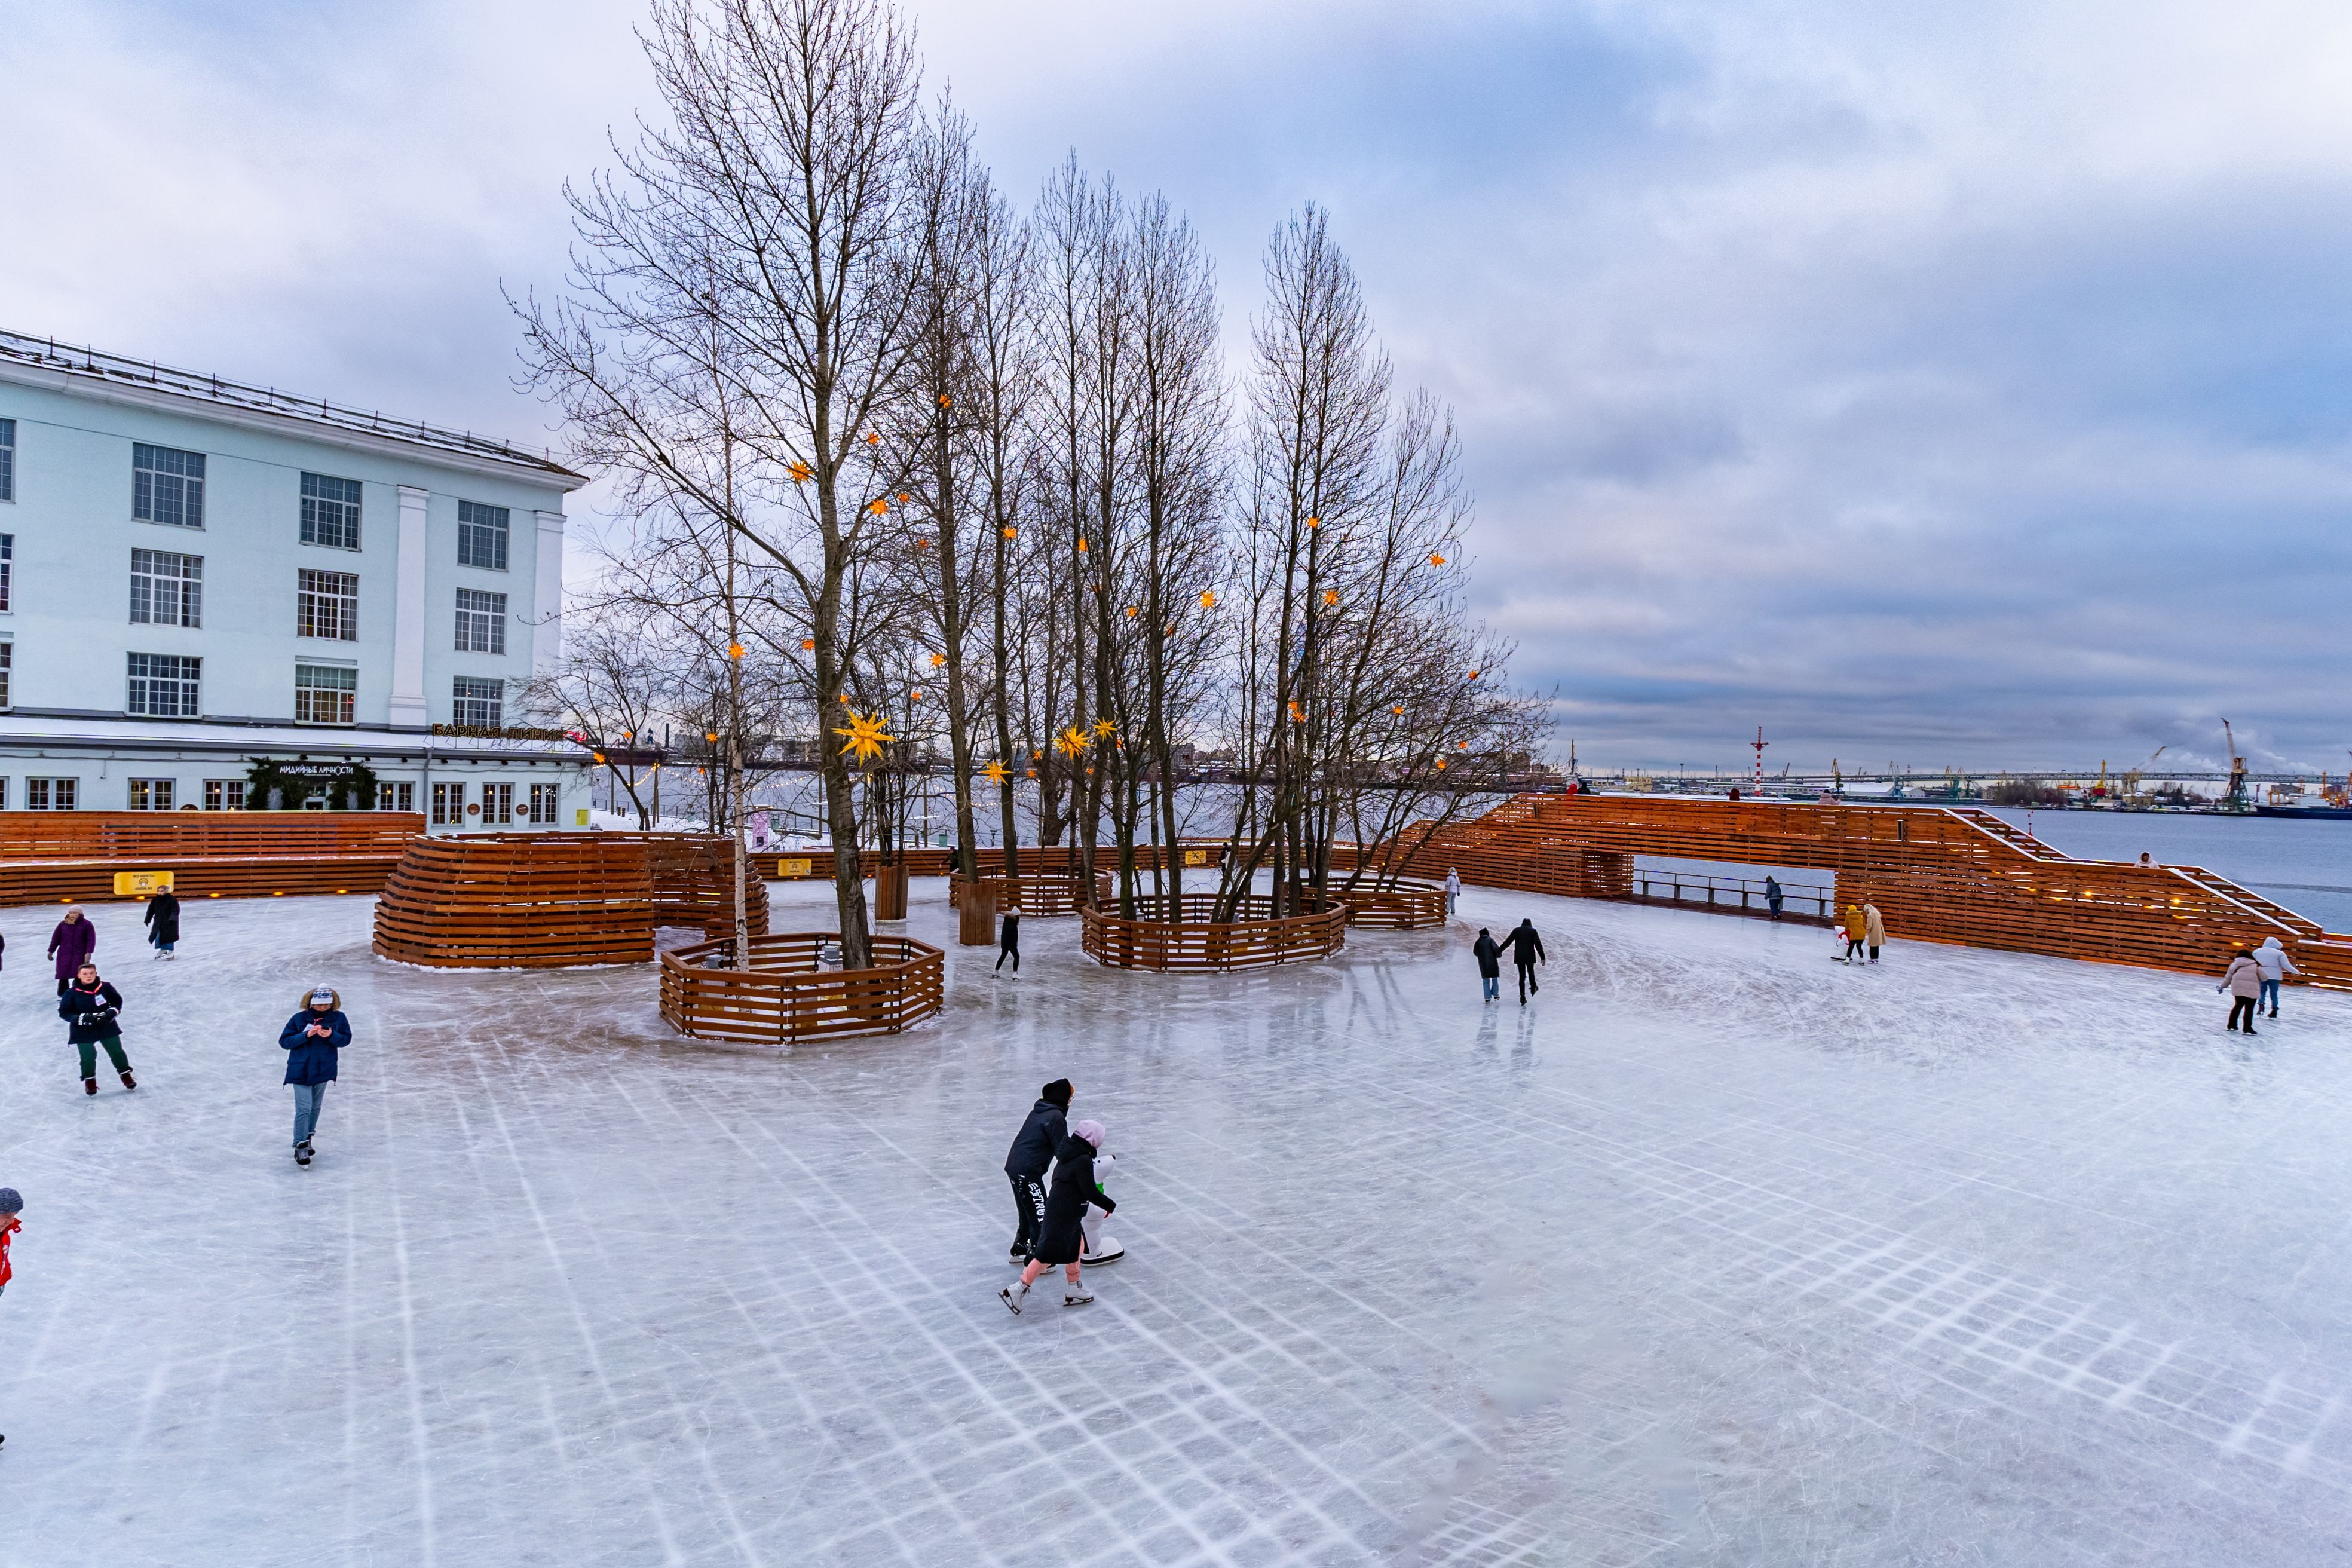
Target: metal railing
<point>1808,902</point>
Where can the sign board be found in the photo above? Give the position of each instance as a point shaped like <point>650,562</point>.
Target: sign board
<point>139,884</point>
<point>580,817</point>
<point>792,867</point>
<point>1196,856</point>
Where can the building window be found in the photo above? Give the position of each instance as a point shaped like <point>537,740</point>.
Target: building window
<point>481,536</point>
<point>167,590</point>
<point>224,794</point>
<point>498,804</point>
<point>448,806</point>
<point>543,806</point>
<point>8,459</point>
<point>165,685</point>
<point>476,702</point>
<point>167,486</point>
<point>481,621</point>
<point>151,794</point>
<point>395,797</point>
<point>323,694</point>
<point>7,659</point>
<point>331,511</point>
<point>8,571</point>
<point>327,605</point>
<point>51,795</point>
<point>4,794</point>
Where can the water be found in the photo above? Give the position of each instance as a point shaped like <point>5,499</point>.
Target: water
<point>2306,866</point>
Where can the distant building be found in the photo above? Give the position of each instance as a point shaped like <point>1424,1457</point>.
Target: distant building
<point>197,576</point>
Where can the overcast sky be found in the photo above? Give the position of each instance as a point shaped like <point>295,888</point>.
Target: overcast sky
<point>1928,384</point>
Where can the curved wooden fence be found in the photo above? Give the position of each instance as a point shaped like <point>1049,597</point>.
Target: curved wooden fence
<point>788,995</point>
<point>549,900</point>
<point>1193,940</point>
<point>1049,895</point>
<point>1404,906</point>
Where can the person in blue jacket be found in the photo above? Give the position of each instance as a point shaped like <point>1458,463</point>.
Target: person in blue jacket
<point>311,1038</point>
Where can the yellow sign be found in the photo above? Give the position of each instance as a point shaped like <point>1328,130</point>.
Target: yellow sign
<point>139,884</point>
<point>580,817</point>
<point>792,867</point>
<point>1196,856</point>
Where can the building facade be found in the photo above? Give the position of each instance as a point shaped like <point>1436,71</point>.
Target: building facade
<point>208,590</point>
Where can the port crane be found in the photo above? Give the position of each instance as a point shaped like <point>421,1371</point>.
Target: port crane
<point>2236,800</point>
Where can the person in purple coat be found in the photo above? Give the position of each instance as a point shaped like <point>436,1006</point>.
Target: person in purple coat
<point>71,945</point>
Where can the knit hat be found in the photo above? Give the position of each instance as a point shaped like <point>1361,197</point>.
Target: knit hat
<point>1092,1132</point>
<point>323,994</point>
<point>11,1201</point>
<point>1058,1092</point>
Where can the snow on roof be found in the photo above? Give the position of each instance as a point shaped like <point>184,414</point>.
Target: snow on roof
<point>89,363</point>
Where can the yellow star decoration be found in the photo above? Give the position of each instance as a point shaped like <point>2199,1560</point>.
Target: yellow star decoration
<point>997,772</point>
<point>1331,595</point>
<point>866,736</point>
<point>800,472</point>
<point>1071,742</point>
<point>1208,599</point>
<point>1105,727</point>
<point>1011,533</point>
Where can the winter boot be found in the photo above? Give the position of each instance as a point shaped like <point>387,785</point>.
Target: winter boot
<point>90,1086</point>
<point>1078,1298</point>
<point>128,1081</point>
<point>301,1153</point>
<point>1011,1295</point>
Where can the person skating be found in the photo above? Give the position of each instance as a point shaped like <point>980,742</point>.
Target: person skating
<point>91,1007</point>
<point>2244,981</point>
<point>1453,889</point>
<point>1874,929</point>
<point>2275,966</point>
<point>163,922</point>
<point>1490,967</point>
<point>72,944</point>
<point>312,1038</point>
<point>1008,942</point>
<point>1062,1238</point>
<point>1773,895</point>
<point>12,1205</point>
<point>1856,931</point>
<point>1032,1151</point>
<point>1526,951</point>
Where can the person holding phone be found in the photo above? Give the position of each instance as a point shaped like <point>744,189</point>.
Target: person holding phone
<point>312,1039</point>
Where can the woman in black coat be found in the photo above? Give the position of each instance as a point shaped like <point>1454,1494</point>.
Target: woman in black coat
<point>1062,1240</point>
<point>163,922</point>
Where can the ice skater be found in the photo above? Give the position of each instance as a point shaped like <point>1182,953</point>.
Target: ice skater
<point>71,945</point>
<point>2275,966</point>
<point>1062,1239</point>
<point>163,922</point>
<point>1008,942</point>
<point>1874,930</point>
<point>1032,1151</point>
<point>1453,889</point>
<point>1854,933</point>
<point>1526,951</point>
<point>2244,981</point>
<point>1100,1247</point>
<point>91,1008</point>
<point>12,1205</point>
<point>1773,895</point>
<point>1490,967</point>
<point>313,1041</point>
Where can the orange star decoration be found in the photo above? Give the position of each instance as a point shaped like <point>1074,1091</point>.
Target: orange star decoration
<point>997,772</point>
<point>1474,674</point>
<point>1460,745</point>
<point>1036,756</point>
<point>1398,709</point>
<point>711,736</point>
<point>1437,560</point>
<point>1314,523</point>
<point>1071,742</point>
<point>1298,713</point>
<point>800,472</point>
<point>734,650</point>
<point>1131,612</point>
<point>1208,600</point>
<point>945,400</point>
<point>1082,547</point>
<point>1441,764</point>
<point>1032,773</point>
<point>904,497</point>
<point>807,643</point>
<point>1011,533</point>
<point>938,659</point>
<point>1331,595</point>
<point>873,439</point>
<point>878,506</point>
<point>866,736</point>
<point>598,756</point>
<point>915,695</point>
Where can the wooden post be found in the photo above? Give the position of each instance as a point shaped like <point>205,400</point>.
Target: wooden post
<point>976,911</point>
<point>890,890</point>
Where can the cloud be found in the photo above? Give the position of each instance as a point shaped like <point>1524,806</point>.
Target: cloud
<point>1966,386</point>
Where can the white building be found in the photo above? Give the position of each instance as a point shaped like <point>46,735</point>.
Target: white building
<point>197,577</point>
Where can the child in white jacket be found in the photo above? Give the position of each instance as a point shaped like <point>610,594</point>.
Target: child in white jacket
<point>2275,966</point>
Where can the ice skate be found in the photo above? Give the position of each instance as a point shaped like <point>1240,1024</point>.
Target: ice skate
<point>1013,1296</point>
<point>90,1086</point>
<point>1078,1299</point>
<point>128,1081</point>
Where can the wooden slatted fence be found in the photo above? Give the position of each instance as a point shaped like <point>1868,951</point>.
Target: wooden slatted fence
<point>71,856</point>
<point>1194,941</point>
<point>788,995</point>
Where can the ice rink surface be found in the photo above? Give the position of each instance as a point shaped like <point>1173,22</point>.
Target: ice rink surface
<point>1719,1253</point>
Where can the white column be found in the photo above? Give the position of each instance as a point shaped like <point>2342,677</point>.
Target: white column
<point>547,596</point>
<point>408,618</point>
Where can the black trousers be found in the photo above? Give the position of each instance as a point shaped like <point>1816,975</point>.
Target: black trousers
<point>1527,979</point>
<point>1011,950</point>
<point>2245,1006</point>
<point>1029,1203</point>
<point>1852,947</point>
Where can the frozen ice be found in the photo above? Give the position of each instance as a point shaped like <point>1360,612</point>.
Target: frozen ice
<point>1720,1252</point>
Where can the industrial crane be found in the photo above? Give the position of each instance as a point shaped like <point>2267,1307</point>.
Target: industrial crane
<point>2236,800</point>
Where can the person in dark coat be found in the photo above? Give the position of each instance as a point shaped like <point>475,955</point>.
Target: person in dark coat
<point>1008,942</point>
<point>1773,895</point>
<point>71,945</point>
<point>1032,1151</point>
<point>1062,1238</point>
<point>1490,967</point>
<point>163,922</point>
<point>90,1008</point>
<point>1526,951</point>
<point>312,1039</point>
